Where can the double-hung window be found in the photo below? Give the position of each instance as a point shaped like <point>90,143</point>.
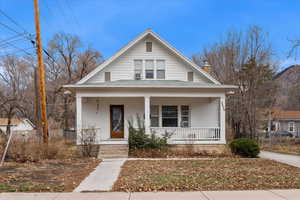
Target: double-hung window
<point>169,116</point>
<point>160,69</point>
<point>154,115</point>
<point>149,69</point>
<point>138,69</point>
<point>185,116</point>
<point>291,126</point>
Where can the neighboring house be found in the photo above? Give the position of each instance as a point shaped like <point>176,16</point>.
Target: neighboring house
<point>285,120</point>
<point>17,124</point>
<point>151,79</point>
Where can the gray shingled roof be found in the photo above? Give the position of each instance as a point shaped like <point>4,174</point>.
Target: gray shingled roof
<point>149,84</point>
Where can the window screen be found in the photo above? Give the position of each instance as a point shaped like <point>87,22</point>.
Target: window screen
<point>138,69</point>
<point>149,65</point>
<point>160,69</point>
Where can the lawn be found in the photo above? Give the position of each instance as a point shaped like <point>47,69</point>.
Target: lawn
<point>45,176</point>
<point>214,174</point>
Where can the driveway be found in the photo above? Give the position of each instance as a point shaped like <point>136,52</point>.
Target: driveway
<point>283,158</point>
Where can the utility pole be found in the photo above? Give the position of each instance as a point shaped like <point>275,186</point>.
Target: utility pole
<point>41,74</point>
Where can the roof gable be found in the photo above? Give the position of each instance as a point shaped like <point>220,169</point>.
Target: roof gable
<point>135,41</point>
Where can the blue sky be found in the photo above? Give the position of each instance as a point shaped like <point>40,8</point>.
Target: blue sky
<point>189,25</point>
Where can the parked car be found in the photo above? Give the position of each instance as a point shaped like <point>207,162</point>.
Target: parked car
<point>282,133</point>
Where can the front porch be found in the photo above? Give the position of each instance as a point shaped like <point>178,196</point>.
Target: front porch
<point>190,119</point>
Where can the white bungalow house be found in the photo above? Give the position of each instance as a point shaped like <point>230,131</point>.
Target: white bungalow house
<point>150,78</point>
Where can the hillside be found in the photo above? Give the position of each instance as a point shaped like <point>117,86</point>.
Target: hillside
<point>288,80</point>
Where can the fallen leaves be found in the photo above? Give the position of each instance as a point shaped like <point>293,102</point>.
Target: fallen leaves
<point>215,174</point>
<point>46,176</point>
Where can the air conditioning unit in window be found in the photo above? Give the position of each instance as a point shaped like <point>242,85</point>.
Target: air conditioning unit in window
<point>138,76</point>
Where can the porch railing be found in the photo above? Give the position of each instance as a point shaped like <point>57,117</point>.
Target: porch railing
<point>189,133</point>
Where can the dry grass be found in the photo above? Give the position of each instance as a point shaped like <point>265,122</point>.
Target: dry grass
<point>214,174</point>
<point>285,145</point>
<point>187,153</point>
<point>33,150</point>
<point>45,176</point>
<point>292,149</point>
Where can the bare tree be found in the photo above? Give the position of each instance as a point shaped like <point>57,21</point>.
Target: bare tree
<point>245,60</point>
<point>68,62</point>
<point>15,78</point>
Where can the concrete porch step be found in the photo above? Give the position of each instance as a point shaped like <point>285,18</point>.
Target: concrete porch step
<point>113,151</point>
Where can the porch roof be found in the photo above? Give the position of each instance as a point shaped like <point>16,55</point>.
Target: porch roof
<point>150,84</point>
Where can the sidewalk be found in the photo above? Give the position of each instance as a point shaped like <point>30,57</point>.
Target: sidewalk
<point>205,195</point>
<point>103,177</point>
<point>283,158</point>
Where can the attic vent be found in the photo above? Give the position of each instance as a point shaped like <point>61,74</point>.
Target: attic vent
<point>148,46</point>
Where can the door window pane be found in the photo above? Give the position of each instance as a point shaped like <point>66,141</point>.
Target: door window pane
<point>169,116</point>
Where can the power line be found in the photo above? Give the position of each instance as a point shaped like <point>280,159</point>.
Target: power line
<point>10,38</point>
<point>18,51</point>
<point>13,21</point>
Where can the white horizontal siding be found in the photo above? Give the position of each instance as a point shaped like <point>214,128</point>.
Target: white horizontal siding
<point>204,111</point>
<point>123,69</point>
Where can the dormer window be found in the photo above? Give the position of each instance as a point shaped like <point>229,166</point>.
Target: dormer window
<point>149,66</point>
<point>148,46</point>
<point>138,69</point>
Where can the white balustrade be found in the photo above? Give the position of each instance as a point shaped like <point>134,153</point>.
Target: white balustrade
<point>189,133</point>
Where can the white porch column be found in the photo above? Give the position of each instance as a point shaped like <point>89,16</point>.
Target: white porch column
<point>147,115</point>
<point>78,117</point>
<point>222,120</point>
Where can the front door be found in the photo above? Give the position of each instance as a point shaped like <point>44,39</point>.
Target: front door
<point>117,121</point>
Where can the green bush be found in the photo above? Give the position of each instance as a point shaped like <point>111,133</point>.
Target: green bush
<point>244,147</point>
<point>138,139</point>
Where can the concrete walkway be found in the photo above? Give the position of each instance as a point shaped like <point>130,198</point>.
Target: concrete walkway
<point>283,158</point>
<point>103,177</point>
<point>201,195</point>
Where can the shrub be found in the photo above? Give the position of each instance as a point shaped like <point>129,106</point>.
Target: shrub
<point>87,141</point>
<point>244,147</point>
<point>138,139</point>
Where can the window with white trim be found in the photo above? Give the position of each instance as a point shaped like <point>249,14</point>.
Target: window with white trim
<point>291,126</point>
<point>154,115</point>
<point>169,116</point>
<point>160,69</point>
<point>185,116</point>
<point>149,69</point>
<point>138,69</point>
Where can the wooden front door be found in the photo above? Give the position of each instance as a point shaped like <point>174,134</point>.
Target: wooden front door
<point>117,121</point>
